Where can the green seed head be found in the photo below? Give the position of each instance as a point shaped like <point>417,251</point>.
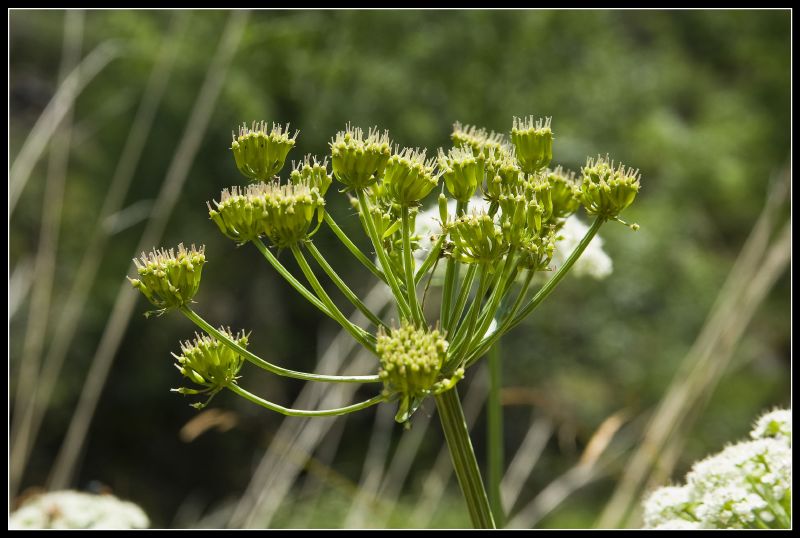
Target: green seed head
<point>169,280</point>
<point>606,190</point>
<point>536,250</point>
<point>411,360</point>
<point>409,177</point>
<point>357,161</point>
<point>209,363</point>
<point>290,211</point>
<point>241,212</point>
<point>312,173</point>
<point>562,192</point>
<point>463,172</point>
<point>534,143</point>
<point>260,153</point>
<point>477,239</point>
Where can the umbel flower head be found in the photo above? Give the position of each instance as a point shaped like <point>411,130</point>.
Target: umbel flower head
<point>747,485</point>
<point>477,239</point>
<point>534,143</point>
<point>503,174</point>
<point>312,173</point>
<point>209,363</point>
<point>284,213</point>
<point>411,363</point>
<point>260,153</point>
<point>606,190</point>
<point>462,171</point>
<point>357,161</point>
<point>562,192</point>
<point>408,177</point>
<point>477,139</point>
<point>167,279</point>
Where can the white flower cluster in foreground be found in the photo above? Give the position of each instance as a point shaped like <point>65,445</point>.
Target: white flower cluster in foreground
<point>75,510</point>
<point>593,263</point>
<point>747,485</point>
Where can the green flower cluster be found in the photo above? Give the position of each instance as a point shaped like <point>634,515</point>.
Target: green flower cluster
<point>167,279</point>
<point>260,153</point>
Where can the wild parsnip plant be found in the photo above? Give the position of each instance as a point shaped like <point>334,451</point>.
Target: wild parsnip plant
<point>490,256</point>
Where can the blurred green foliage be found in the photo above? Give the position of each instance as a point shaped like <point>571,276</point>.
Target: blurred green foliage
<point>699,101</point>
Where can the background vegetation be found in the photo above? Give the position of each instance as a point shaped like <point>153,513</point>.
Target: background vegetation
<point>698,101</point>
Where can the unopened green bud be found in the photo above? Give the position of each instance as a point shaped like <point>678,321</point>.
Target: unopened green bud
<point>411,361</point>
<point>443,213</point>
<point>313,173</point>
<point>409,177</point>
<point>606,190</point>
<point>169,280</point>
<point>357,161</point>
<point>536,251</point>
<point>209,363</point>
<point>462,171</point>
<point>534,143</point>
<point>562,192</point>
<point>521,216</point>
<point>477,239</point>
<point>261,153</point>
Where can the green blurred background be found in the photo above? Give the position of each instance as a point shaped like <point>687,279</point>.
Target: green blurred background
<point>699,101</point>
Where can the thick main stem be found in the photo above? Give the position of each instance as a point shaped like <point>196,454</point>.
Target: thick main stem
<point>494,434</point>
<point>464,463</point>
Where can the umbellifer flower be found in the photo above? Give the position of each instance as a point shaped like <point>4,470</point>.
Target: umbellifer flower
<point>534,143</point>
<point>411,363</point>
<point>606,190</point>
<point>290,210</point>
<point>358,162</point>
<point>261,153</point>
<point>562,192</point>
<point>462,171</point>
<point>477,239</point>
<point>409,177</point>
<point>209,363</point>
<point>478,140</point>
<point>313,173</point>
<point>169,280</point>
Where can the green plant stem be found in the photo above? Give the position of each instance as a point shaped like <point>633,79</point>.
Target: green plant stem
<point>233,387</point>
<point>354,250</point>
<point>290,278</point>
<point>465,465</point>
<point>363,337</point>
<point>467,328</point>
<point>498,293</point>
<point>261,363</point>
<point>377,244</point>
<point>430,259</point>
<point>450,277</point>
<point>463,295</point>
<point>408,266</point>
<point>343,287</point>
<point>514,319</point>
<point>494,435</point>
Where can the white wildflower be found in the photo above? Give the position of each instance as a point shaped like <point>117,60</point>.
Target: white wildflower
<point>76,510</point>
<point>776,423</point>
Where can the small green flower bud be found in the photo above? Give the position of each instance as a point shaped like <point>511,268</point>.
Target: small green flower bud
<point>408,177</point>
<point>312,173</point>
<point>502,173</point>
<point>411,361</point>
<point>169,280</point>
<point>521,216</point>
<point>358,162</point>
<point>290,211</point>
<point>537,250</point>
<point>477,239</point>
<point>260,154</point>
<point>443,208</point>
<point>606,190</point>
<point>209,363</point>
<point>534,143</point>
<point>477,139</point>
<point>562,192</point>
<point>462,171</point>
